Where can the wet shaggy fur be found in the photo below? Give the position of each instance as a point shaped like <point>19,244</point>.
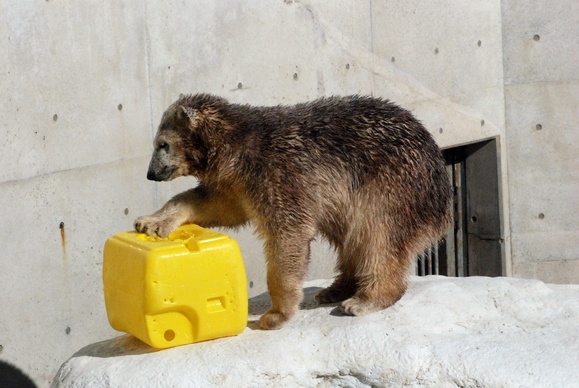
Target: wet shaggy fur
<point>360,171</point>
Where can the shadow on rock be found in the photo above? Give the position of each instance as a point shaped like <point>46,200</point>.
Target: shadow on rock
<point>261,303</point>
<point>129,345</point>
<point>116,347</point>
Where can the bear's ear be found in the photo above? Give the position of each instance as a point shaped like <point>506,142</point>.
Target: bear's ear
<point>186,112</point>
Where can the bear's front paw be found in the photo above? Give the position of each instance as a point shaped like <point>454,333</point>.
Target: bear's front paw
<point>155,226</point>
<point>272,320</point>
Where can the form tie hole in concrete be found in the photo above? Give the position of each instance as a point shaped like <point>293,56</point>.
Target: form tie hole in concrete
<point>55,117</point>
<point>541,216</point>
<point>239,85</point>
<point>479,43</point>
<point>536,38</point>
<point>126,211</point>
<point>120,107</point>
<point>436,50</point>
<point>295,76</point>
<point>482,123</point>
<point>392,59</point>
<point>251,284</point>
<point>538,127</point>
<point>347,66</point>
<point>474,219</point>
<point>440,130</point>
<point>67,330</point>
<point>169,335</point>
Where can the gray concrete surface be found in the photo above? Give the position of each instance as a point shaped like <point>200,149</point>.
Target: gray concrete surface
<point>541,53</point>
<point>83,86</point>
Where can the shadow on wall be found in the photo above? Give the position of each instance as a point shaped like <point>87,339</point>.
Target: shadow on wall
<point>12,377</point>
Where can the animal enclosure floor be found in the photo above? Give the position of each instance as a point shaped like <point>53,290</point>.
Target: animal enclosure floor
<point>444,332</point>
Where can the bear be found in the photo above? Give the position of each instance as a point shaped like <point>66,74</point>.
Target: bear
<point>360,171</point>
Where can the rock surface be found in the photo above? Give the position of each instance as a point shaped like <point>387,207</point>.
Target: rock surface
<point>445,332</point>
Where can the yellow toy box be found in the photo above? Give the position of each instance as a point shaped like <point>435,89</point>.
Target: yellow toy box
<point>173,291</point>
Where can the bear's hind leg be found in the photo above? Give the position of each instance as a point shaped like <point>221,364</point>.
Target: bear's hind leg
<point>344,286</point>
<point>381,277</point>
<point>341,289</point>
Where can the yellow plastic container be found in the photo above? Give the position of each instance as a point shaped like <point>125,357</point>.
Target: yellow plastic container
<point>187,288</point>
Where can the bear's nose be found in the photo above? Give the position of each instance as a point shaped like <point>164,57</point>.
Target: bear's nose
<point>152,176</point>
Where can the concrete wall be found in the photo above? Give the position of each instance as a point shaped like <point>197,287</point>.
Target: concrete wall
<point>541,57</point>
<point>83,86</point>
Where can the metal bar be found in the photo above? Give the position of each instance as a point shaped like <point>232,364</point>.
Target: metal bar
<point>429,255</point>
<point>450,242</point>
<point>436,265</point>
<point>459,219</point>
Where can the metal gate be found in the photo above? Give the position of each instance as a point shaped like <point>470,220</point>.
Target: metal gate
<point>473,244</point>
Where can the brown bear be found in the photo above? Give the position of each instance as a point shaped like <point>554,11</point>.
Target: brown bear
<point>360,171</point>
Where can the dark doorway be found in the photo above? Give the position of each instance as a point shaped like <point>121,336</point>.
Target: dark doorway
<point>472,245</point>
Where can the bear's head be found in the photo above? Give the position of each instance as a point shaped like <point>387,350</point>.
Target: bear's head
<point>187,137</point>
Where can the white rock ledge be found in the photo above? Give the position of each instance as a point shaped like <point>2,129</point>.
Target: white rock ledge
<point>445,332</point>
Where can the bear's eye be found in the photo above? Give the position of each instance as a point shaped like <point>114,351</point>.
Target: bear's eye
<point>163,146</point>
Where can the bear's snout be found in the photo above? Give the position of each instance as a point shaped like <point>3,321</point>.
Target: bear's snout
<point>152,176</point>
<point>158,172</point>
